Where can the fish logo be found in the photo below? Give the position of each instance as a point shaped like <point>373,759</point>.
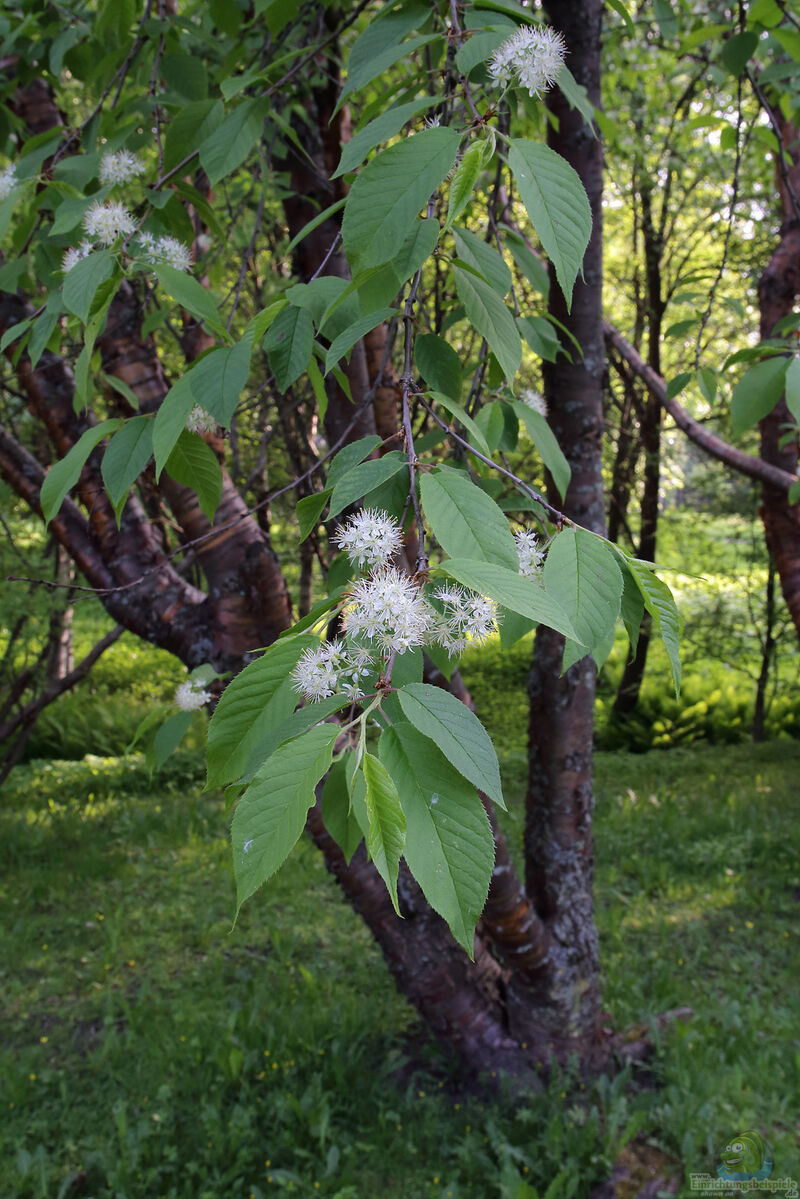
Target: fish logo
<point>745,1158</point>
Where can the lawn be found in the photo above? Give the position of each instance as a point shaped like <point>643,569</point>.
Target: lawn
<point>149,1052</point>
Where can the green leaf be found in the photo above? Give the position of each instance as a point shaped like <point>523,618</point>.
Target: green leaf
<point>390,191</point>
<point>194,464</point>
<point>82,282</point>
<point>309,510</point>
<point>343,344</point>
<point>126,456</point>
<point>289,342</point>
<point>512,590</point>
<point>792,384</point>
<point>622,11</point>
<point>43,328</point>
<point>294,725</point>
<point>487,313</point>
<point>338,819</point>
<point>415,250</point>
<point>439,364</point>
<point>707,382</point>
<point>556,204</point>
<point>449,845</point>
<point>14,333</point>
<point>192,125</point>
<point>465,522</point>
<point>476,437</point>
<point>757,392</point>
<point>676,385</point>
<point>349,456</point>
<point>576,96</point>
<point>457,732</point>
<point>63,475</point>
<point>171,420</point>
<point>227,147</point>
<point>380,130</point>
<point>382,44</point>
<point>483,258</point>
<point>463,183</point>
<point>793,495</point>
<point>186,75</point>
<point>581,572</point>
<point>660,604</point>
<point>169,736</point>
<point>185,289</point>
<point>478,48</point>
<point>271,814</point>
<point>387,824</point>
<point>544,439</point>
<point>540,336</point>
<point>532,267</point>
<point>219,378</point>
<point>256,701</point>
<point>319,219</point>
<point>364,478</point>
<point>632,606</point>
<point>737,51</point>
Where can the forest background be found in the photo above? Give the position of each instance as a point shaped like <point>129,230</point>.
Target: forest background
<point>147,1049</point>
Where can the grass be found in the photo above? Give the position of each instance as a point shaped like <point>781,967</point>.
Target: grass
<point>150,1048</point>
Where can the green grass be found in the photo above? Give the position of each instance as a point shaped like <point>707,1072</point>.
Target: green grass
<point>146,1044</point>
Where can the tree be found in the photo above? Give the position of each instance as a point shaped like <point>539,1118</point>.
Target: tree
<point>344,311</point>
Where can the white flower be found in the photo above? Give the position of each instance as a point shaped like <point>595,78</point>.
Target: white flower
<point>200,421</point>
<point>191,696</point>
<point>75,254</point>
<point>433,122</point>
<point>370,538</point>
<point>533,56</point>
<point>532,399</point>
<point>120,167</point>
<point>107,221</point>
<point>529,553</point>
<point>389,608</point>
<point>315,674</point>
<point>8,181</point>
<point>468,617</point>
<point>165,249</point>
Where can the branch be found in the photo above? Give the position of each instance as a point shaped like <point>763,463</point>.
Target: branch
<point>738,460</point>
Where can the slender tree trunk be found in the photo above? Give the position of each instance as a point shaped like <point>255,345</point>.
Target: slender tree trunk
<point>559,852</point>
<point>767,655</point>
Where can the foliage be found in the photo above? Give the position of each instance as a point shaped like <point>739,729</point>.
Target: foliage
<point>151,1049</point>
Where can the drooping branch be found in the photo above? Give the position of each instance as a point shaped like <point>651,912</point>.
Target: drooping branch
<point>738,460</point>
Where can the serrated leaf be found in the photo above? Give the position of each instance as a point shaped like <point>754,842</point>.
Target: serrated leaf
<point>757,392</point>
<point>81,283</point>
<point>227,147</point>
<point>631,607</point>
<point>337,817</point>
<point>294,725</point>
<point>380,130</point>
<point>529,263</point>
<point>218,379</point>
<point>365,477</point>
<point>484,258</point>
<point>465,521</point>
<point>449,845</point>
<point>439,364</point>
<point>258,699</point>
<point>194,464</point>
<point>387,824</point>
<point>349,456</point>
<point>309,510</point>
<point>581,572</point>
<point>382,44</point>
<point>271,814</point>
<point>556,203</point>
<point>170,420</point>
<point>792,384</point>
<point>190,294</point>
<point>389,193</point>
<point>343,344</point>
<point>487,313</point>
<point>475,435</point>
<point>545,441</point>
<point>463,183</point>
<point>457,732</point>
<point>126,456</point>
<point>659,602</point>
<point>63,475</point>
<point>169,736</point>
<point>289,342</point>
<point>512,590</point>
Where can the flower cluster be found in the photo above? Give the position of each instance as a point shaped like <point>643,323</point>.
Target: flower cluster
<point>107,222</point>
<point>532,57</point>
<point>120,167</point>
<point>166,250</point>
<point>530,554</point>
<point>467,617</point>
<point>200,421</point>
<point>8,181</point>
<point>75,254</point>
<point>191,696</point>
<point>371,538</point>
<point>387,613</point>
<point>532,399</point>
